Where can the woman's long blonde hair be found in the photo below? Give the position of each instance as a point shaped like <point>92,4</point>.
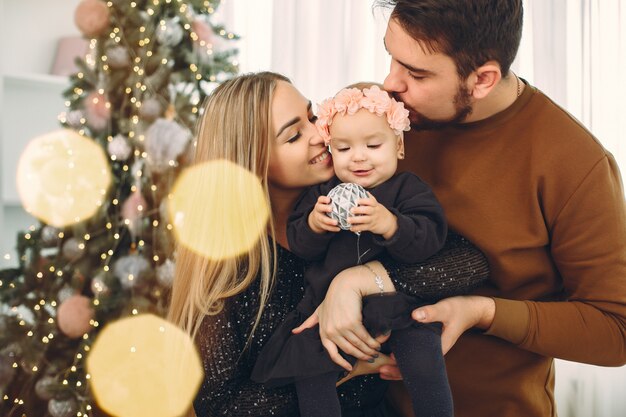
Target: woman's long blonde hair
<point>236,126</point>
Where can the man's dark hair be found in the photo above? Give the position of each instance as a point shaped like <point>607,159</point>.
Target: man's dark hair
<point>471,32</point>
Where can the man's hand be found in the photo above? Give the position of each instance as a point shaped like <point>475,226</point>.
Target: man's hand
<point>457,314</point>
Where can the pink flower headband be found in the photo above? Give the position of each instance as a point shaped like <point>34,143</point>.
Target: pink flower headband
<point>351,100</point>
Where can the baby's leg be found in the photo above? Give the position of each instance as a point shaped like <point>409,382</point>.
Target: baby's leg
<point>317,396</point>
<point>419,357</point>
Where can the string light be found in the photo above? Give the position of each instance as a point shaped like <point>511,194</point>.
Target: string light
<point>78,91</point>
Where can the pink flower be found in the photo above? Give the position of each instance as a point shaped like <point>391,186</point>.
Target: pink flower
<point>348,100</point>
<point>376,100</point>
<point>398,117</point>
<point>325,113</point>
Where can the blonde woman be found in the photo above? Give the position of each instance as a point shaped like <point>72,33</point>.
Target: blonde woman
<point>231,307</point>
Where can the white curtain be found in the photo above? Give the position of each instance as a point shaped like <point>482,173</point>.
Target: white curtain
<point>573,50</point>
<point>322,45</point>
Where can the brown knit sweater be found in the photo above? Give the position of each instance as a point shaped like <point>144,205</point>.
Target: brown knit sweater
<point>539,195</point>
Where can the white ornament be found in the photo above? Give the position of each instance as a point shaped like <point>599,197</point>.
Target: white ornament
<point>343,198</point>
<point>165,141</point>
<point>65,293</point>
<point>49,235</point>
<point>119,147</point>
<point>130,270</point>
<point>150,109</point>
<point>169,33</point>
<point>62,407</point>
<point>42,387</point>
<point>165,273</point>
<point>26,314</point>
<point>75,119</point>
<point>72,249</point>
<point>118,57</point>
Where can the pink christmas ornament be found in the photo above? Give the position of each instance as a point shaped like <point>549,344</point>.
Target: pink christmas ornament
<point>74,315</point>
<point>92,17</point>
<point>203,30</point>
<point>119,147</point>
<point>97,110</point>
<point>132,210</point>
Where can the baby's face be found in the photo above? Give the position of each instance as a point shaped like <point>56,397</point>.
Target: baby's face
<point>364,148</point>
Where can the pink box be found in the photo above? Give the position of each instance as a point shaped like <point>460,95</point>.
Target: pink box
<point>68,49</point>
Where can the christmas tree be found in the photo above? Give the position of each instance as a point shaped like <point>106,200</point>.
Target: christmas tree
<point>137,95</point>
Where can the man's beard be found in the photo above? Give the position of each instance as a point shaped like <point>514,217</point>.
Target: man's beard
<point>462,106</point>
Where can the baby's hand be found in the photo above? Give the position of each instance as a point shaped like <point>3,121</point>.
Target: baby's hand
<point>372,216</point>
<point>319,222</point>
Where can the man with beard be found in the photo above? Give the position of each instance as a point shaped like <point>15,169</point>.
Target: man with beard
<point>530,186</point>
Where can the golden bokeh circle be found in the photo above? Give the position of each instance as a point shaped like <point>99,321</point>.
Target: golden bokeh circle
<point>144,366</point>
<point>63,177</point>
<point>218,209</point>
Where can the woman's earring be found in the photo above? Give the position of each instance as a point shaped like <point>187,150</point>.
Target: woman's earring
<point>400,155</point>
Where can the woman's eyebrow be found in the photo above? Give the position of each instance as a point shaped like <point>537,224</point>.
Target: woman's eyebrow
<point>293,121</point>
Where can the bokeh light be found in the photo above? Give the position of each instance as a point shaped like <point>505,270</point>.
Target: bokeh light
<point>63,177</point>
<point>218,209</point>
<point>144,366</point>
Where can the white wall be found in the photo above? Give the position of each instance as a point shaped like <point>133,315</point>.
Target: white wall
<point>30,99</point>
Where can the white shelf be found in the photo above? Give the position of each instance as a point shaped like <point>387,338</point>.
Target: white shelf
<point>33,78</point>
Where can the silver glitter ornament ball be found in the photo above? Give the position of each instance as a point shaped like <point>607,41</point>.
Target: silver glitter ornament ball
<point>131,270</point>
<point>72,249</point>
<point>62,408</point>
<point>150,109</point>
<point>343,198</point>
<point>49,235</point>
<point>43,387</point>
<point>118,57</point>
<point>169,33</point>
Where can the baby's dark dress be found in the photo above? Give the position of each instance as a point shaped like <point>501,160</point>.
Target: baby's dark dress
<point>421,233</point>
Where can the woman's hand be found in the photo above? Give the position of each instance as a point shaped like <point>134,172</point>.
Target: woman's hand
<point>339,315</point>
<point>457,314</point>
<point>342,328</point>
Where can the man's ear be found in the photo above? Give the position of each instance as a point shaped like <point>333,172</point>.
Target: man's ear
<point>401,146</point>
<point>484,79</point>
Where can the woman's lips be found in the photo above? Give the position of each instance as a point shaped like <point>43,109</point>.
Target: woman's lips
<point>320,158</point>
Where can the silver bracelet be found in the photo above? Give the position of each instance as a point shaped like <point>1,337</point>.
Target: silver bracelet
<point>377,279</point>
